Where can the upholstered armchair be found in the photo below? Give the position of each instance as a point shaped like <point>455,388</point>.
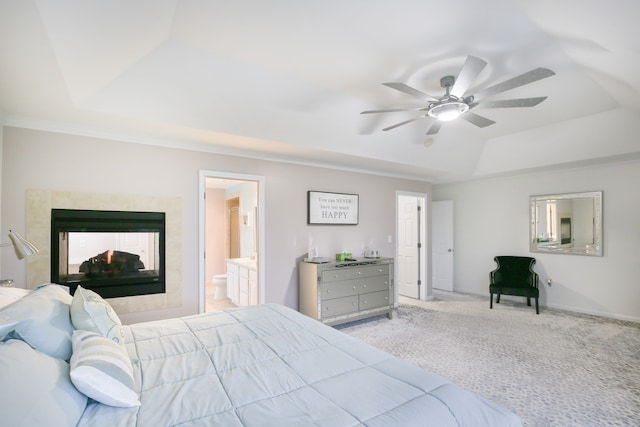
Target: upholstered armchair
<point>514,276</point>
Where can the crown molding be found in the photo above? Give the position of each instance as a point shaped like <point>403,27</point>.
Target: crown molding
<point>190,145</point>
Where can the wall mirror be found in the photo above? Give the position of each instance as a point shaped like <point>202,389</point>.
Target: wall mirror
<point>566,223</point>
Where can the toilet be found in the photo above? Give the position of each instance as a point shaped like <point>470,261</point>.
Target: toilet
<point>220,286</point>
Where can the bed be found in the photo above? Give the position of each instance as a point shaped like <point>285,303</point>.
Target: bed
<point>68,361</point>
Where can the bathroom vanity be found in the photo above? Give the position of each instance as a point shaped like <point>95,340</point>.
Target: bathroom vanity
<point>242,281</point>
<point>340,292</point>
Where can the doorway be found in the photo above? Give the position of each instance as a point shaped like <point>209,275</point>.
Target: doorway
<point>442,244</point>
<point>411,250</point>
<point>231,230</point>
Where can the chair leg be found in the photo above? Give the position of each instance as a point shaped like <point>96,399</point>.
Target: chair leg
<point>498,299</point>
<point>490,300</point>
<point>537,311</point>
<point>528,302</point>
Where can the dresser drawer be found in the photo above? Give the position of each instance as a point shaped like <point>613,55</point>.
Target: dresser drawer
<point>338,306</point>
<point>339,289</point>
<point>374,300</point>
<point>373,284</point>
<point>335,275</point>
<point>368,271</point>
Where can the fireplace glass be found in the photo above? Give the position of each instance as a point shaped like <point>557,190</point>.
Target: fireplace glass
<point>113,253</point>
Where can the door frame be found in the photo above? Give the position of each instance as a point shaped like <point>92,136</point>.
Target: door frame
<point>261,255</point>
<point>425,253</point>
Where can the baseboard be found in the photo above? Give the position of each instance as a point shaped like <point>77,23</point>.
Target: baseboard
<point>565,308</point>
<point>595,313</point>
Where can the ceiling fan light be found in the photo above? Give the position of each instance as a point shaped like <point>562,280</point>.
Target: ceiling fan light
<point>449,110</point>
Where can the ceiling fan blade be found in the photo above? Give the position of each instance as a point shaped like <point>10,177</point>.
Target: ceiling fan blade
<point>477,120</point>
<point>405,122</point>
<point>393,111</point>
<point>410,91</point>
<point>511,103</point>
<point>468,74</point>
<point>435,127</point>
<point>521,80</point>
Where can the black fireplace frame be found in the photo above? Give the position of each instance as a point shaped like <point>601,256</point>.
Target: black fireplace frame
<point>78,220</point>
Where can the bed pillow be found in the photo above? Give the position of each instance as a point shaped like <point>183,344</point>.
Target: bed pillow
<point>90,312</point>
<point>41,319</point>
<point>35,389</point>
<point>101,369</point>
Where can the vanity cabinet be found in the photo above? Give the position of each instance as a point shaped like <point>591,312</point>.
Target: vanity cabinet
<point>242,282</point>
<point>253,287</point>
<point>233,283</point>
<point>340,292</point>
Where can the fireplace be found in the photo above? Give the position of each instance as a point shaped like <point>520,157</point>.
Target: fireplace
<point>113,253</point>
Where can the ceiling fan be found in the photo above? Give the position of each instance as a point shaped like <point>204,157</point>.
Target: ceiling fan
<point>457,103</point>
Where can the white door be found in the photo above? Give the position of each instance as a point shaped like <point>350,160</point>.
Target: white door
<point>442,244</point>
<point>136,243</point>
<point>408,252</point>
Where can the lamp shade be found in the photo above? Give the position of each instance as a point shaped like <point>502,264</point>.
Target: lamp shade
<point>21,246</point>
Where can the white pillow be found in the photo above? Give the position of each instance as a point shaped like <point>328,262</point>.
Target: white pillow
<point>101,369</point>
<point>90,312</point>
<point>41,319</point>
<point>35,389</point>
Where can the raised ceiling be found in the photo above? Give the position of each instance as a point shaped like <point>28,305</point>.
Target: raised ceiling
<point>287,79</point>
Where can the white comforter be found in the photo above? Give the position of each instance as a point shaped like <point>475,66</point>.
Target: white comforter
<point>271,366</point>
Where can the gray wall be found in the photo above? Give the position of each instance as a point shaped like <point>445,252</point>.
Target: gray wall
<point>35,159</point>
<point>492,218</point>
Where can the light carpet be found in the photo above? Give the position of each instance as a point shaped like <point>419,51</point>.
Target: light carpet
<point>557,368</point>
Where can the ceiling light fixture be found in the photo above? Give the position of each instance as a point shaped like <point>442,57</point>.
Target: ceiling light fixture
<point>450,107</point>
<point>447,110</point>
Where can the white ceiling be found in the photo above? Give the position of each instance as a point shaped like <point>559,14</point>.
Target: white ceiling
<point>287,79</point>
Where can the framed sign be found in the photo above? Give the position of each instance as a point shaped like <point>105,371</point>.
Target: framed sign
<point>332,208</point>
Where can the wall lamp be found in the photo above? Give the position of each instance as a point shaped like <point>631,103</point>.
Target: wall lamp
<point>22,247</point>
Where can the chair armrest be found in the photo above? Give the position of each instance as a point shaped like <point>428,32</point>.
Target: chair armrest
<point>534,279</point>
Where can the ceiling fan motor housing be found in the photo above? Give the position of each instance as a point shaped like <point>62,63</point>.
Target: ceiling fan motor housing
<point>447,82</point>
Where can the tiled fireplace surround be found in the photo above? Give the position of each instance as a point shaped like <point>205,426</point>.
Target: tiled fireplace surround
<point>39,205</point>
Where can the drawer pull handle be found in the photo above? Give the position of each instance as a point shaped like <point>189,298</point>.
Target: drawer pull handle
<point>335,276</point>
<point>380,271</point>
<point>328,291</point>
<point>353,304</point>
<point>359,272</point>
<point>354,287</point>
<point>386,298</point>
<point>364,286</point>
<point>365,301</point>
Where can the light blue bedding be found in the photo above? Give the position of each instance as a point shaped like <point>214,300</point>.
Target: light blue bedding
<point>271,366</point>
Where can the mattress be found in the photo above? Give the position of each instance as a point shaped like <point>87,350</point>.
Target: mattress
<point>272,366</point>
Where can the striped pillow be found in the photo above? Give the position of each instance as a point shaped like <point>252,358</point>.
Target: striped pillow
<point>101,369</point>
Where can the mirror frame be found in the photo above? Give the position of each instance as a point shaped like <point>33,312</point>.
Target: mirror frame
<point>595,250</point>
